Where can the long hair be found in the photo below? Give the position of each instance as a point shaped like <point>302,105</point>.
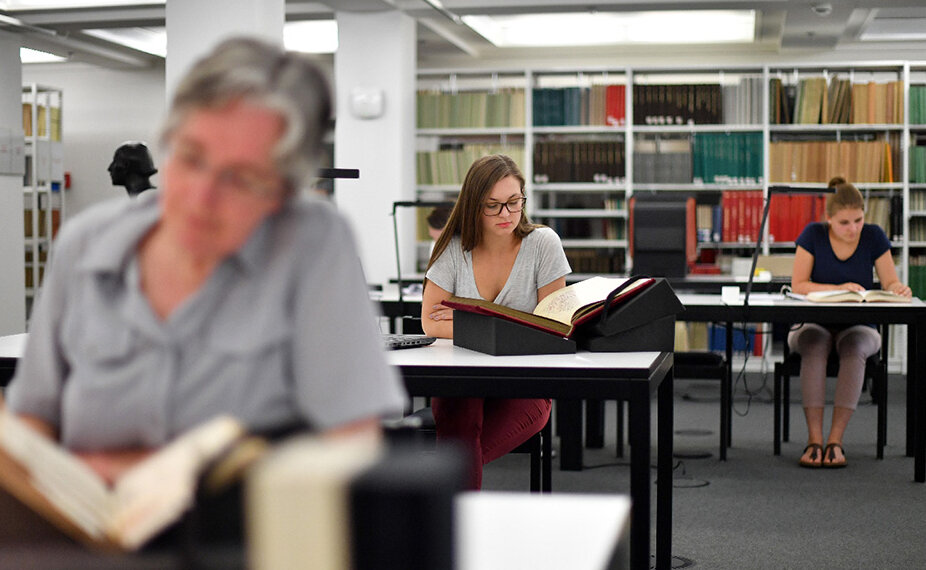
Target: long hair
<point>845,196</point>
<point>466,217</point>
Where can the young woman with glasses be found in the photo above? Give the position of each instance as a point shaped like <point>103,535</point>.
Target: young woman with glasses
<point>490,250</point>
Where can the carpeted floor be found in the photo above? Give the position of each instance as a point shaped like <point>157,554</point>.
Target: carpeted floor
<point>757,510</point>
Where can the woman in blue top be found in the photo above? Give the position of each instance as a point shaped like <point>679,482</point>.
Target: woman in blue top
<point>837,254</point>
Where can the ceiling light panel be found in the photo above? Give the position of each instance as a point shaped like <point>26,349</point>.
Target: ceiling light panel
<point>612,28</point>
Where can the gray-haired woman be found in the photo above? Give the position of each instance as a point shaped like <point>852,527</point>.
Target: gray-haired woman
<point>222,292</point>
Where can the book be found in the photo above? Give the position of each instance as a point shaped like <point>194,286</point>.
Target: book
<point>562,311</point>
<point>64,491</point>
<point>846,296</point>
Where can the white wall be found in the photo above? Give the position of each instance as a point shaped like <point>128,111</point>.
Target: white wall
<point>102,109</point>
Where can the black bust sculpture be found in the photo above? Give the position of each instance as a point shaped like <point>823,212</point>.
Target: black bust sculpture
<point>131,167</point>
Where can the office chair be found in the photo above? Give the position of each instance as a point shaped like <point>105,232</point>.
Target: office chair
<point>875,370</point>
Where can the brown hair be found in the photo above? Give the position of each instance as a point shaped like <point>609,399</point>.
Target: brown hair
<point>466,217</point>
<point>845,196</point>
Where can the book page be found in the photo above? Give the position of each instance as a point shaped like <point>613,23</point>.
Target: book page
<point>561,305</point>
<point>158,490</point>
<point>69,484</point>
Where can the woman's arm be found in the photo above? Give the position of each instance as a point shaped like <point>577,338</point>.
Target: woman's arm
<point>550,287</point>
<point>436,319</point>
<point>800,276</point>
<point>887,275</point>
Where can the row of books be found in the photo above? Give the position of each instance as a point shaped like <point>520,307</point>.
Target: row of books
<point>710,158</point>
<point>917,229</point>
<point>814,101</point>
<point>819,161</point>
<point>682,104</point>
<point>918,104</point>
<point>917,276</point>
<point>742,102</point>
<point>448,167</point>
<point>737,217</point>
<point>597,262</point>
<point>727,158</point>
<point>586,228</point>
<point>579,201</point>
<point>48,121</point>
<point>662,160</point>
<point>917,200</point>
<point>918,164</point>
<point>470,109</point>
<point>595,105</point>
<point>578,161</point>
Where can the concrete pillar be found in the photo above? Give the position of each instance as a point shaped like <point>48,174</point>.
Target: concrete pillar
<point>12,242</point>
<point>193,28</point>
<point>376,58</point>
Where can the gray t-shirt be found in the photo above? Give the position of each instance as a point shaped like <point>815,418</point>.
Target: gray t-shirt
<point>282,331</point>
<point>540,261</point>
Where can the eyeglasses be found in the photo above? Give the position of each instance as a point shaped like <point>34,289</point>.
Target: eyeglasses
<point>495,208</point>
<point>230,180</point>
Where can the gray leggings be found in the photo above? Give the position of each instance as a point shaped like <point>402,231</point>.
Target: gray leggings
<point>854,345</point>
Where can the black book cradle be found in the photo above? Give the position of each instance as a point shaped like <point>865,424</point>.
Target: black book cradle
<point>644,322</point>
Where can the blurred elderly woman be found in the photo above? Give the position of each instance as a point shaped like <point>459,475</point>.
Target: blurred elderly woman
<point>222,292</point>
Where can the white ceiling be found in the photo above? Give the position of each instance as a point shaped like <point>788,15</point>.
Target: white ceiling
<point>783,26</point>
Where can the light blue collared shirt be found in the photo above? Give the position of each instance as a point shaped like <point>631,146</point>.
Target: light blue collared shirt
<point>282,331</point>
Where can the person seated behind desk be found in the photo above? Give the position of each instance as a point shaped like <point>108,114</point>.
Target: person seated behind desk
<point>490,250</point>
<point>132,167</point>
<point>214,294</point>
<point>837,254</point>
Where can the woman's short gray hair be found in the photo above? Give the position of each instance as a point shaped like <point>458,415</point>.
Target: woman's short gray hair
<point>265,75</point>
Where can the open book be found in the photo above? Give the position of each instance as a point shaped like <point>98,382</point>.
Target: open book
<point>846,296</point>
<point>62,489</point>
<point>563,310</point>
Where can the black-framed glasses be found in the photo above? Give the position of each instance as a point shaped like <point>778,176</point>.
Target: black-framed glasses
<point>495,208</point>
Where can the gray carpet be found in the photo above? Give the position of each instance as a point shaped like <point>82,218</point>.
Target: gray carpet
<point>757,510</point>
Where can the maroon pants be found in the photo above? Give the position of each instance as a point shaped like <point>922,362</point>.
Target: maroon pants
<point>488,428</point>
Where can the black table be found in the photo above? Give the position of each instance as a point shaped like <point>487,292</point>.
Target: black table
<point>775,308</point>
<point>443,369</point>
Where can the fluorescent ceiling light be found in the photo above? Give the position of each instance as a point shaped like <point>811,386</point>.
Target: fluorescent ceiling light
<point>613,28</point>
<point>310,36</point>
<point>27,55</point>
<point>59,4</point>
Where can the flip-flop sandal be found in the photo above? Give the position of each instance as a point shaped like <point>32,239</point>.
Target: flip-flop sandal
<point>830,455</point>
<point>816,458</point>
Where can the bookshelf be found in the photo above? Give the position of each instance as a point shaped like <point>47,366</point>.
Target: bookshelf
<point>916,178</point>
<point>588,139</point>
<point>43,181</point>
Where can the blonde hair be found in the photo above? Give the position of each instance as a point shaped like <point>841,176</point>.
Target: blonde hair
<point>845,196</point>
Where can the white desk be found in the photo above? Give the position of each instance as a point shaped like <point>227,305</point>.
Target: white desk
<point>512,531</point>
<point>443,369</point>
<point>12,346</point>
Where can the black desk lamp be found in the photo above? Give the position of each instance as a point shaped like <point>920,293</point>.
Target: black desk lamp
<point>755,254</point>
<point>395,233</point>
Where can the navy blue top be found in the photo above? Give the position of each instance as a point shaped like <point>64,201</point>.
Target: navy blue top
<point>827,268</point>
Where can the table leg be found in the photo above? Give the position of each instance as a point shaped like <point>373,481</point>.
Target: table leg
<point>919,362</point>
<point>594,424</point>
<point>664,473</point>
<point>912,339</point>
<point>569,422</point>
<point>640,480</point>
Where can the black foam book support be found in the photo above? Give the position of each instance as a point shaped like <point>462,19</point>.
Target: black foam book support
<point>644,322</point>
